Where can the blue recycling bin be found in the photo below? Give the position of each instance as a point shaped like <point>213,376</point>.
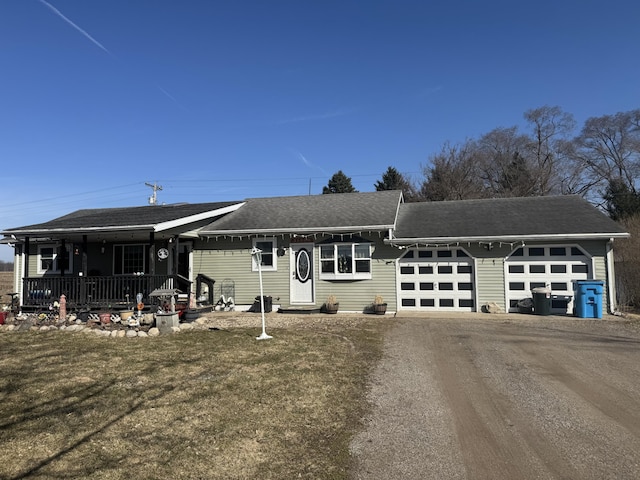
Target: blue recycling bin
<point>588,298</point>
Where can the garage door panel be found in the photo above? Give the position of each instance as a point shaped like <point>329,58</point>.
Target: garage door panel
<point>554,266</point>
<point>436,280</point>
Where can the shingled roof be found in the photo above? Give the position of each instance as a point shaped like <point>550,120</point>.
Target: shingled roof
<point>333,213</point>
<point>558,217</point>
<point>152,217</point>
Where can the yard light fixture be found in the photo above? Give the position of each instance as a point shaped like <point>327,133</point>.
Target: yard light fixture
<point>257,254</point>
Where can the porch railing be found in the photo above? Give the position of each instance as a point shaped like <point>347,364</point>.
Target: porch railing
<point>97,291</point>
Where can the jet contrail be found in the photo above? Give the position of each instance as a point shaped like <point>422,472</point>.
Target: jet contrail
<point>58,13</point>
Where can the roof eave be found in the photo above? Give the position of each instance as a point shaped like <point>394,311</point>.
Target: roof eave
<point>507,238</point>
<point>59,231</point>
<point>295,231</point>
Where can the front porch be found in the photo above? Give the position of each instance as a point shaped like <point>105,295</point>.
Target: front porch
<point>97,292</point>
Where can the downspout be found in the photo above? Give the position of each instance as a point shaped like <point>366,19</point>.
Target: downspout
<point>611,278</point>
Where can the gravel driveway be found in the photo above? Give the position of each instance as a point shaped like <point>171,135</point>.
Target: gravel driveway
<point>504,397</point>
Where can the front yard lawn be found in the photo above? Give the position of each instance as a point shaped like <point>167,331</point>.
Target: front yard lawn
<point>196,405</point>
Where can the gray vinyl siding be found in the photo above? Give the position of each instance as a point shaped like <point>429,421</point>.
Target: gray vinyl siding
<point>490,282</point>
<point>230,260</point>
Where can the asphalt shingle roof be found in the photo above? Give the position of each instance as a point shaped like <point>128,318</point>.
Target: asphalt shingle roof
<point>490,218</point>
<point>311,213</point>
<point>123,217</point>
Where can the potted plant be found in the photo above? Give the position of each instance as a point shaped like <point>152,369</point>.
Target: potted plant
<point>379,306</point>
<point>331,305</point>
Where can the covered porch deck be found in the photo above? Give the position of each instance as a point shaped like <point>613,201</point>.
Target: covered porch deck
<point>97,292</point>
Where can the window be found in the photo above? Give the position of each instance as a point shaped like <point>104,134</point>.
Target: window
<point>52,259</point>
<point>268,256</point>
<point>345,261</point>
<point>128,259</point>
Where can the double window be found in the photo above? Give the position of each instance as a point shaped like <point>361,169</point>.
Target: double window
<point>345,261</point>
<point>128,259</point>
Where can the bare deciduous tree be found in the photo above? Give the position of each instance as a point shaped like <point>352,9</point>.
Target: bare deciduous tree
<point>452,174</point>
<point>608,148</point>
<point>549,147</point>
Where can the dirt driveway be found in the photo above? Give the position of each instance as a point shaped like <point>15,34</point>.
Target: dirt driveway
<point>517,397</point>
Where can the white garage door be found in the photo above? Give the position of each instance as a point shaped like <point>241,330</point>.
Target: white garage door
<point>436,280</point>
<point>556,266</point>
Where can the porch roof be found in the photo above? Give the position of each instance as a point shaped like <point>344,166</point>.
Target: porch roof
<point>150,218</point>
<point>507,219</point>
<point>332,213</point>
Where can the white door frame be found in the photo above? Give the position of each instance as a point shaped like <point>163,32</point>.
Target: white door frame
<point>302,274</point>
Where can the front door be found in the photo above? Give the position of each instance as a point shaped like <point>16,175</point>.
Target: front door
<point>301,268</point>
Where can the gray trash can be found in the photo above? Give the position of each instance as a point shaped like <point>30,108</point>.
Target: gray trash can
<point>541,300</point>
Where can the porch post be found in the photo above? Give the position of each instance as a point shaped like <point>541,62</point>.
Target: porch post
<point>65,259</point>
<point>176,254</point>
<point>152,254</point>
<point>84,268</point>
<point>25,292</point>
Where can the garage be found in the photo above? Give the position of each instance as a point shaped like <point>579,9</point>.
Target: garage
<point>432,279</point>
<point>556,266</point>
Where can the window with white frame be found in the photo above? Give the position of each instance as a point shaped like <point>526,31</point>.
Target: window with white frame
<point>345,261</point>
<point>268,246</point>
<point>52,259</point>
<point>128,259</point>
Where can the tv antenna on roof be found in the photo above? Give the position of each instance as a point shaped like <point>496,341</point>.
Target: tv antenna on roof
<point>153,199</point>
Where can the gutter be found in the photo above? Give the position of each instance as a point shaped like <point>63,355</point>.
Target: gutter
<point>507,238</point>
<point>293,231</point>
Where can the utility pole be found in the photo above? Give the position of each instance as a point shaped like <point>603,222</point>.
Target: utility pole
<point>153,199</point>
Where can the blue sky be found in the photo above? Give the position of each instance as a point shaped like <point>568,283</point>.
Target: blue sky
<point>221,101</point>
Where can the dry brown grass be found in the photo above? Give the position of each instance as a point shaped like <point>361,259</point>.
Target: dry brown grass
<point>6,286</point>
<point>197,405</point>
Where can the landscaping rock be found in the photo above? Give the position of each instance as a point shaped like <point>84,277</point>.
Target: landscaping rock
<point>154,332</point>
<point>131,333</point>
